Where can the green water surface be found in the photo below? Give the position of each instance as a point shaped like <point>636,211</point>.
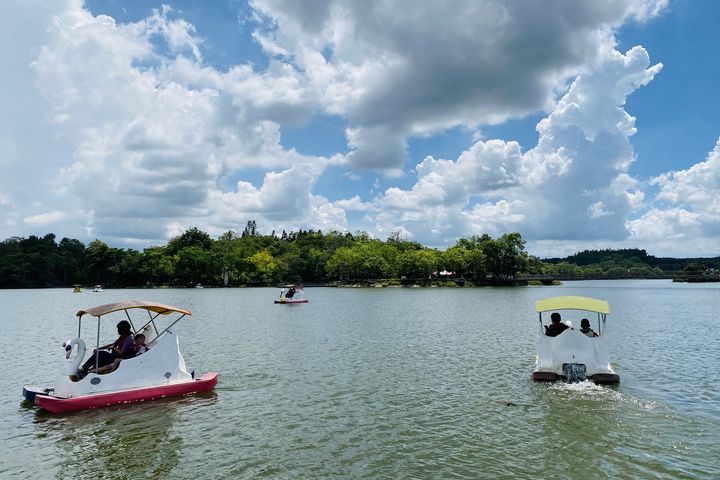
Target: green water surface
<point>379,383</point>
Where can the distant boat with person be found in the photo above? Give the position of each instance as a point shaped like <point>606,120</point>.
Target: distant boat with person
<point>291,295</point>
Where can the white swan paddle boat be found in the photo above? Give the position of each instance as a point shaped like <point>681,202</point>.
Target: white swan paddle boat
<point>573,355</point>
<point>159,372</point>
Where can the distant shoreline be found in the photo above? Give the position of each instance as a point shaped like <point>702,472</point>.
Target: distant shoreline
<point>393,283</point>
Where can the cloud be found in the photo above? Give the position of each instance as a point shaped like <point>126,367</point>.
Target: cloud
<point>393,69</point>
<point>44,218</point>
<point>572,185</point>
<point>686,210</point>
<point>154,136</point>
<point>354,203</point>
<point>375,147</point>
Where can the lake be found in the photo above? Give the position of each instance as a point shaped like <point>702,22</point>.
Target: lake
<point>380,383</point>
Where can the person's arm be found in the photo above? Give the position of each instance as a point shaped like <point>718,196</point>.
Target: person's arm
<point>117,350</point>
<point>104,347</point>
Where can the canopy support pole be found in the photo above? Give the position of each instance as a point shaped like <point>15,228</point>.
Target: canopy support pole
<point>541,325</point>
<point>97,348</point>
<point>168,327</point>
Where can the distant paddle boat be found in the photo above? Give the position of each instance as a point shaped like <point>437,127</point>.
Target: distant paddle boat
<point>292,295</point>
<point>98,288</point>
<point>159,372</point>
<point>77,288</point>
<point>567,353</point>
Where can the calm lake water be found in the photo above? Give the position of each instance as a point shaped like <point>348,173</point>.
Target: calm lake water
<point>380,383</point>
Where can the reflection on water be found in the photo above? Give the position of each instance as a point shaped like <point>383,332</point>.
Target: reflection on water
<point>392,383</point>
<point>123,441</point>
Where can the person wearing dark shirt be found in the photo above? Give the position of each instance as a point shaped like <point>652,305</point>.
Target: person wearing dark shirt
<point>120,348</point>
<point>138,348</point>
<point>556,327</point>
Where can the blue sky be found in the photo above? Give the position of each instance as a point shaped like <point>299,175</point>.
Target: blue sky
<point>578,124</point>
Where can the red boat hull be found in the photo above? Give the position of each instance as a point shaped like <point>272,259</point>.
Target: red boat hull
<point>290,302</point>
<point>59,405</point>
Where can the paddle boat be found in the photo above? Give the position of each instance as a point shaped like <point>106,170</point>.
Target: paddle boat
<point>77,288</point>
<point>98,288</point>
<point>292,295</point>
<point>159,372</point>
<point>572,355</point>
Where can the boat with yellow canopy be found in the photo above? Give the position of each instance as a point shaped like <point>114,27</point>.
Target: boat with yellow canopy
<point>570,353</point>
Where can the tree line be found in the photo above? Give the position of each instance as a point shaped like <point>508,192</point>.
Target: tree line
<point>305,256</point>
<point>253,259</point>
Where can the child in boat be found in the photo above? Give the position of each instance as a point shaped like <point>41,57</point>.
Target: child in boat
<point>138,348</point>
<point>585,328</point>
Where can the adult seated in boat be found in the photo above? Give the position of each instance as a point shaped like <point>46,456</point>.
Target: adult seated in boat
<point>138,348</point>
<point>556,327</point>
<point>120,348</point>
<point>585,328</point>
<point>290,293</point>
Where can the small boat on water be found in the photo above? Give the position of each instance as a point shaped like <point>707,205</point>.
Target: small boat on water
<point>573,354</point>
<point>77,288</point>
<point>98,288</point>
<point>292,295</point>
<point>158,372</point>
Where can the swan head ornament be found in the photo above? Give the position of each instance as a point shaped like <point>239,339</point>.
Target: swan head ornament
<point>70,345</point>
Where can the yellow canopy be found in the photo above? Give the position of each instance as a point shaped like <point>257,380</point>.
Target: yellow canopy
<point>114,307</point>
<point>572,303</point>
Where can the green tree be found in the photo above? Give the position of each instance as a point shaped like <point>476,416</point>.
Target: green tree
<point>192,237</point>
<point>455,259</point>
<point>417,264</point>
<point>264,268</point>
<point>193,265</point>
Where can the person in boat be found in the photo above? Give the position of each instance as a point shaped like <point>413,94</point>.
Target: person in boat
<point>290,293</point>
<point>138,348</point>
<point>556,326</point>
<point>585,328</point>
<point>120,348</point>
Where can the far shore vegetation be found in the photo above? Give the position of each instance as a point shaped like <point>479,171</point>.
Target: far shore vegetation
<point>315,258</point>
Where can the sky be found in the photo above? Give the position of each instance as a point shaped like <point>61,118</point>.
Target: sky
<point>580,125</point>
